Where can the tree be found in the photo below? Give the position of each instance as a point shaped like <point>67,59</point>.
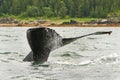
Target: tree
<point>47,12</point>
<point>60,8</point>
<point>55,6</point>
<point>15,7</point>
<point>63,10</point>
<point>5,6</point>
<point>70,7</point>
<point>31,11</point>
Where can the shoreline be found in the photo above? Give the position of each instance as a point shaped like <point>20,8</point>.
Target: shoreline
<point>11,22</point>
<point>59,25</point>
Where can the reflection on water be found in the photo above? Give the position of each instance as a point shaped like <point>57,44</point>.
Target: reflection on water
<point>90,58</point>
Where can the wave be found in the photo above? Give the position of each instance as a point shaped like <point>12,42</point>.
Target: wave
<point>9,53</point>
<point>71,54</point>
<point>108,59</point>
<point>7,35</point>
<point>112,58</point>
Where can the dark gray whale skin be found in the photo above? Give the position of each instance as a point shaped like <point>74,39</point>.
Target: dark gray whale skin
<point>44,40</point>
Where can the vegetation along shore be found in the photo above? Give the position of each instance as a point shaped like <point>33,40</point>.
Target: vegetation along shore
<point>79,13</point>
<point>92,22</point>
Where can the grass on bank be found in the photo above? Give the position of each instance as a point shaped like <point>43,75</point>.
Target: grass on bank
<point>56,20</point>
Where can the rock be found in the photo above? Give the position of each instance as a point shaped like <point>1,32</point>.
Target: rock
<point>66,23</point>
<point>41,21</point>
<point>16,21</point>
<point>73,22</point>
<point>105,21</point>
<point>8,21</point>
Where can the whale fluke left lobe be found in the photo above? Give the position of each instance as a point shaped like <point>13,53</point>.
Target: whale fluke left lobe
<point>29,57</point>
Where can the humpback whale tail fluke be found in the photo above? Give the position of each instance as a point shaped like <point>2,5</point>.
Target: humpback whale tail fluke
<point>69,40</point>
<point>44,40</point>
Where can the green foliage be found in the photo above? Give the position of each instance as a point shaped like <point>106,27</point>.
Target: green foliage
<point>60,8</point>
<point>63,10</point>
<point>114,14</point>
<point>47,12</point>
<point>31,11</point>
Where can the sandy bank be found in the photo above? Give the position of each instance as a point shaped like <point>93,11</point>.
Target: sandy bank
<point>58,25</point>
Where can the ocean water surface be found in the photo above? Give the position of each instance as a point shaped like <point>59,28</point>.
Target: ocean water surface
<point>96,57</point>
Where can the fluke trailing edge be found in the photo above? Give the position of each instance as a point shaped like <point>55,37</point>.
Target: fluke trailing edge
<point>44,40</point>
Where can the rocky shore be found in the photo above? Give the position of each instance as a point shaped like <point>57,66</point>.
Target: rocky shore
<point>10,22</point>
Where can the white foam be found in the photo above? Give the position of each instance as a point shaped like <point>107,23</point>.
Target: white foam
<point>112,58</point>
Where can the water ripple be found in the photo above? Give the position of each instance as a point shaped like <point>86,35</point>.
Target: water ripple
<point>2,35</point>
<point>9,53</point>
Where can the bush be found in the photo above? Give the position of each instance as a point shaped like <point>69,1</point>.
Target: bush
<point>47,12</point>
<point>31,11</point>
<point>114,14</point>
